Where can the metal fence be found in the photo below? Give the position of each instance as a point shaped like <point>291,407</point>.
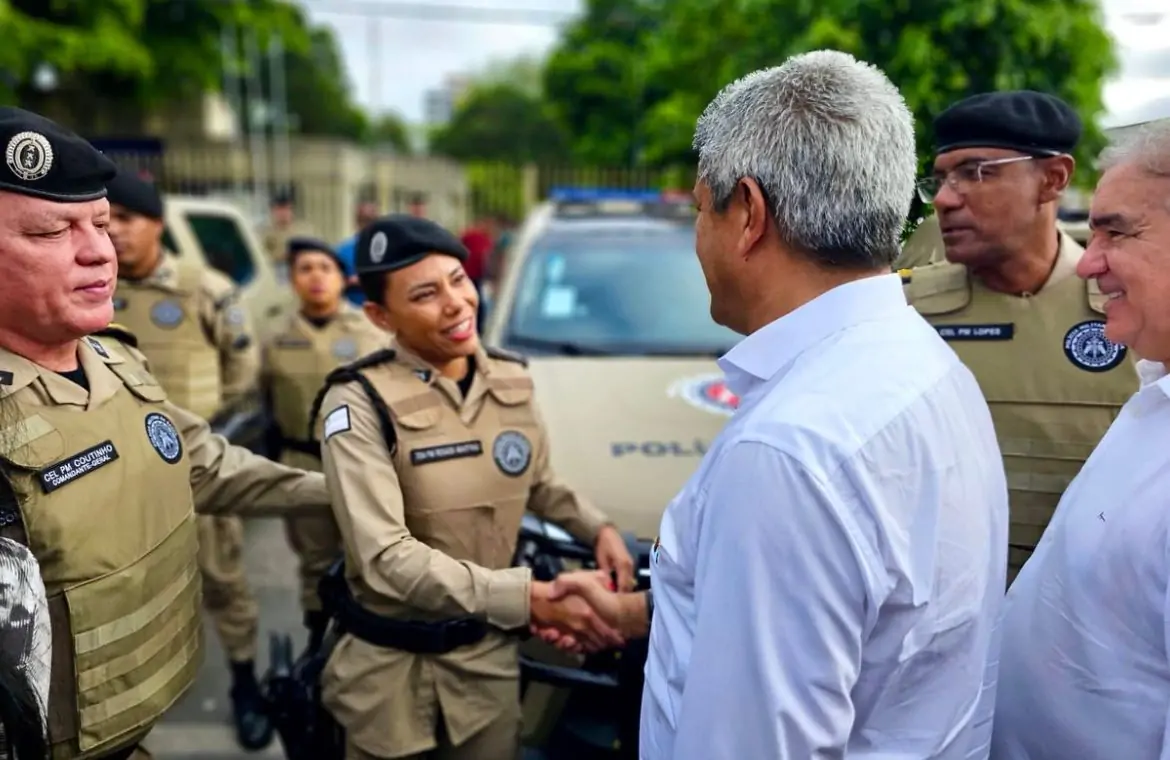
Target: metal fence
<point>328,178</point>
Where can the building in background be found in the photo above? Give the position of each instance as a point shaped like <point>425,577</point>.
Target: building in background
<point>439,103</point>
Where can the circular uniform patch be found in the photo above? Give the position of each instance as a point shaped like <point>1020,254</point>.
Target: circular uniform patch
<point>167,314</point>
<point>120,304</point>
<point>164,437</point>
<point>1086,346</point>
<point>378,245</point>
<point>234,316</point>
<point>512,452</point>
<point>29,156</point>
<point>345,349</point>
<point>708,392</point>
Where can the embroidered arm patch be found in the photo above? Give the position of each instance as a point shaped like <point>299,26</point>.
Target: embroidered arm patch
<point>337,421</point>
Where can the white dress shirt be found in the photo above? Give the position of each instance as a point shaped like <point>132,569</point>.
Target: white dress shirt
<point>829,582</point>
<point>1084,661</point>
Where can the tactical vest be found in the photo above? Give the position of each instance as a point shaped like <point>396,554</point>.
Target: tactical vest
<point>182,355</point>
<point>465,484</point>
<point>299,360</point>
<point>1054,383</point>
<point>117,554</point>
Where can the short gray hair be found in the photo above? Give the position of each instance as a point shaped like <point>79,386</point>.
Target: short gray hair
<point>830,141</point>
<point>1148,146</point>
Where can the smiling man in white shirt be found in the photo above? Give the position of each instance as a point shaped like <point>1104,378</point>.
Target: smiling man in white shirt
<point>828,584</point>
<point>1086,674</point>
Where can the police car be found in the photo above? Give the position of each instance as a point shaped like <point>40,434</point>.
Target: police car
<point>604,295</point>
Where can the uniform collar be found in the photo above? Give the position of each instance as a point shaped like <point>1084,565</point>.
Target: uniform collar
<point>426,372</point>
<point>165,274</point>
<point>94,358</point>
<point>774,347</point>
<point>1068,255</point>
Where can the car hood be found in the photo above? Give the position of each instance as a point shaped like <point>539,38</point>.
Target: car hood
<point>629,432</point>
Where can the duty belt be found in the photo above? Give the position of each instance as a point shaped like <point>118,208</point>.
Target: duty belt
<point>390,633</point>
<point>312,448</point>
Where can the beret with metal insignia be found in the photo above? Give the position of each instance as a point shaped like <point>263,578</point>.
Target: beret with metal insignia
<point>1031,122</point>
<point>399,240</point>
<point>44,160</point>
<point>135,194</point>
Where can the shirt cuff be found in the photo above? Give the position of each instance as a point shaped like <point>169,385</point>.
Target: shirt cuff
<point>509,594</point>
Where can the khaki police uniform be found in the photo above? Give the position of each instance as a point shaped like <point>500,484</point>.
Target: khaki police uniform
<point>108,482</point>
<point>1054,383</point>
<point>924,246</point>
<point>430,528</point>
<point>199,342</point>
<point>275,239</point>
<point>296,361</point>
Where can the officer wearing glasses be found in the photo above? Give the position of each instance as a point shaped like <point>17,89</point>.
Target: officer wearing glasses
<point>1007,299</point>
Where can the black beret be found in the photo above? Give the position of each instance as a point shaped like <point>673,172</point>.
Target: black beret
<point>135,194</point>
<point>1031,122</point>
<point>282,198</point>
<point>399,240</point>
<point>299,244</point>
<point>45,160</point>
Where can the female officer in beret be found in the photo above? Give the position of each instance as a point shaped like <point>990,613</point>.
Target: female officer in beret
<point>432,451</point>
<point>324,332</point>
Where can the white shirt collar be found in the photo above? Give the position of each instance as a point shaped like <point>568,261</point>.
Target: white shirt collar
<point>773,347</point>
<point>1154,373</point>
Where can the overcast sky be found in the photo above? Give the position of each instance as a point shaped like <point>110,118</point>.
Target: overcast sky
<point>398,49</point>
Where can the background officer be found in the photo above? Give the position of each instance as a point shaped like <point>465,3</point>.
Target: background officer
<point>433,450</point>
<point>1008,300</point>
<point>282,225</point>
<point>106,473</point>
<point>324,332</point>
<point>198,339</point>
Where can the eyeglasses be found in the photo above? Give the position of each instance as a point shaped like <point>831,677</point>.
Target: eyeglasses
<point>961,178</point>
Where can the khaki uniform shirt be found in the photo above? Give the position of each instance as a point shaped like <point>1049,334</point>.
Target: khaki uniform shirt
<point>195,303</point>
<point>276,239</point>
<point>430,532</point>
<point>51,434</point>
<point>1054,383</point>
<point>924,246</point>
<point>296,361</point>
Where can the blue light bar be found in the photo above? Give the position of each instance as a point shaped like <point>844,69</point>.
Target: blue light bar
<point>600,194</point>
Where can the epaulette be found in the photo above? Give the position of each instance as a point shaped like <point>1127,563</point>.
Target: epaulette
<point>118,332</point>
<point>506,356</point>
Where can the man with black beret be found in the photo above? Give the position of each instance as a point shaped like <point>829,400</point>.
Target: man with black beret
<point>433,450</point>
<point>105,474</point>
<point>199,341</point>
<point>282,225</point>
<point>1008,300</point>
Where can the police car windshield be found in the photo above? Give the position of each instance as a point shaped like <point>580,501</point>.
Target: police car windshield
<point>631,292</point>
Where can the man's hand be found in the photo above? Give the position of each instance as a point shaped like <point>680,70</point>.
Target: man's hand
<point>612,555</point>
<point>625,613</point>
<point>571,617</point>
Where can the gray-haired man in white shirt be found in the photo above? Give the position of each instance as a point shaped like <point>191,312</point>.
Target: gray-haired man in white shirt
<point>828,584</point>
<point>1085,662</point>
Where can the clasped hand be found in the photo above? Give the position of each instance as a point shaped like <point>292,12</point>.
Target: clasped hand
<point>578,612</point>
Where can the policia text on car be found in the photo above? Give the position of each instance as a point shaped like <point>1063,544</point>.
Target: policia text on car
<point>433,449</point>
<point>106,473</point>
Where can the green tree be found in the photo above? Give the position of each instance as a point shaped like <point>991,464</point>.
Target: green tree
<point>500,123</point>
<point>113,59</point>
<point>524,72</point>
<point>389,129</point>
<point>680,53</point>
<point>596,81</point>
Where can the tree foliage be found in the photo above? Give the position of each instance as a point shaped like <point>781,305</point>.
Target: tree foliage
<point>629,79</point>
<point>500,123</point>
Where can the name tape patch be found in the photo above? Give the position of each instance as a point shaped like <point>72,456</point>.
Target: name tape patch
<point>82,463</point>
<point>976,332</point>
<point>337,421</point>
<point>446,451</point>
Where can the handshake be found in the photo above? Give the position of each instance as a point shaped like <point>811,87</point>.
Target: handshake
<point>582,612</point>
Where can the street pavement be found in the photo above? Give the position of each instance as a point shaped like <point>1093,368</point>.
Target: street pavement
<point>199,727</point>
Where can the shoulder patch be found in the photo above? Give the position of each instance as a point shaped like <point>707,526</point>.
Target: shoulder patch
<point>337,421</point>
<point>119,333</point>
<point>506,356</point>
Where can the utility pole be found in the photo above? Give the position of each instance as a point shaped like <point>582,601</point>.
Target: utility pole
<point>229,50</point>
<point>279,102</point>
<point>256,113</point>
